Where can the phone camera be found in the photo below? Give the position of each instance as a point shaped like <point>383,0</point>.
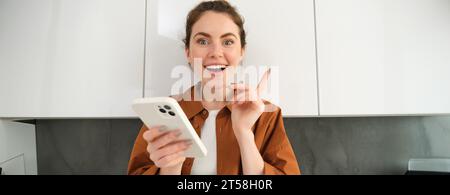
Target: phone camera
<point>162,110</point>
<point>171,113</point>
<point>167,107</point>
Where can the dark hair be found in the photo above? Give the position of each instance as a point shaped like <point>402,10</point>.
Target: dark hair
<point>219,6</point>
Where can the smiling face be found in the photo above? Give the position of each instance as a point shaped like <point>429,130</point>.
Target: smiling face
<point>215,40</point>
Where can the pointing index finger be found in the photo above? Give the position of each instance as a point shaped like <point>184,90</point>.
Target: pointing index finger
<point>262,86</point>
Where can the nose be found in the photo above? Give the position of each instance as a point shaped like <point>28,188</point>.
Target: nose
<point>215,51</point>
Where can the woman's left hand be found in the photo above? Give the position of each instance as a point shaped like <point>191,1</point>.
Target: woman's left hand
<point>247,106</point>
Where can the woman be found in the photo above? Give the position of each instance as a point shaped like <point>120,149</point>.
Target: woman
<point>240,137</point>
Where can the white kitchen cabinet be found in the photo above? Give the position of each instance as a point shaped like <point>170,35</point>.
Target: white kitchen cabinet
<point>279,34</point>
<point>383,57</point>
<point>70,59</point>
<point>17,148</point>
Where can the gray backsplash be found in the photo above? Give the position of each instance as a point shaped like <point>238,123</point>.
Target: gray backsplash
<point>367,145</point>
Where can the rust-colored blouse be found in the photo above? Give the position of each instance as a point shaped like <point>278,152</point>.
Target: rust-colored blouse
<point>270,139</point>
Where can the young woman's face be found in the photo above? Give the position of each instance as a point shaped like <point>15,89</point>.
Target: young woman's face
<point>216,41</point>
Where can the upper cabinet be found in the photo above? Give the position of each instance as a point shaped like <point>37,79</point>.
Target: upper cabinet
<point>383,57</point>
<point>280,34</point>
<point>68,58</point>
<point>92,58</point>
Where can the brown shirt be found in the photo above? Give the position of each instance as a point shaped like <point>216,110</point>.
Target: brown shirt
<point>270,139</point>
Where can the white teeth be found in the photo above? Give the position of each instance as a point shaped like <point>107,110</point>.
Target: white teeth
<point>216,67</point>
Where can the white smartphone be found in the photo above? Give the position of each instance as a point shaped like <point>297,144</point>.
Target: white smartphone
<point>167,113</point>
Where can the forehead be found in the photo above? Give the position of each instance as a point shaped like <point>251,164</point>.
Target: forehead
<point>215,24</point>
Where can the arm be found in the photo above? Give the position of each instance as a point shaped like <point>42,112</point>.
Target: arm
<point>276,156</point>
<point>279,157</point>
<point>252,161</point>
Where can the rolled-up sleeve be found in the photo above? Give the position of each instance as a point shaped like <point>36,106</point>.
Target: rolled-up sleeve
<point>140,163</point>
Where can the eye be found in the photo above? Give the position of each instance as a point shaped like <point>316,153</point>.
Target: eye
<point>202,41</point>
<point>228,42</point>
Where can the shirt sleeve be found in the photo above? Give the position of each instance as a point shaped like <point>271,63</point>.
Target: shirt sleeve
<point>279,158</point>
<point>140,163</point>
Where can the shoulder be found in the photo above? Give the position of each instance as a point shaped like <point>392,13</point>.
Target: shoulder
<point>270,125</point>
<point>271,115</point>
<point>271,109</point>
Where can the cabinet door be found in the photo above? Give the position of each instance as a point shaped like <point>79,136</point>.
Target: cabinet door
<point>279,34</point>
<point>383,57</point>
<point>68,58</point>
<point>17,148</point>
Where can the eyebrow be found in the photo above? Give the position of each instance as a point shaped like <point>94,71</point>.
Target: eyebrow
<point>209,36</point>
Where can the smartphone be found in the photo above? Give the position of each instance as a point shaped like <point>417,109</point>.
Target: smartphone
<point>167,113</point>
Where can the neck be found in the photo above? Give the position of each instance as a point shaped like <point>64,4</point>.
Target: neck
<point>213,105</point>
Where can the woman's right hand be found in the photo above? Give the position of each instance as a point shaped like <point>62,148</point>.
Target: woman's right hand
<point>166,150</point>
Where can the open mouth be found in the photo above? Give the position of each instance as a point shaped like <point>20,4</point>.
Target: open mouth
<point>216,68</point>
